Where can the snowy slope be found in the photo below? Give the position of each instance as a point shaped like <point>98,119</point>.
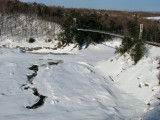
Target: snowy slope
<point>139,80</point>
<point>77,85</point>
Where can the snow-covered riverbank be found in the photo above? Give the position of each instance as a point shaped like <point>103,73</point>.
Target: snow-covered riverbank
<point>91,84</point>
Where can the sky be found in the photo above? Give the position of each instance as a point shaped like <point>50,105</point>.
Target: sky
<point>124,5</point>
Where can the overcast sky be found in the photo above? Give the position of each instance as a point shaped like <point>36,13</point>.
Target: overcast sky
<point>128,5</point>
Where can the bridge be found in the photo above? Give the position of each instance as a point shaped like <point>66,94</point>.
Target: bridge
<point>116,35</point>
<point>96,31</point>
<point>99,31</point>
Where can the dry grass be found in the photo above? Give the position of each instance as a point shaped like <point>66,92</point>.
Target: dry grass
<point>35,48</point>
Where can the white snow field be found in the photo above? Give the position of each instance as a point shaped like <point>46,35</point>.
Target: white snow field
<point>89,84</point>
<point>153,18</point>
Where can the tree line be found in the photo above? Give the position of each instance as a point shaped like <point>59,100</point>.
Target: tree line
<point>125,23</point>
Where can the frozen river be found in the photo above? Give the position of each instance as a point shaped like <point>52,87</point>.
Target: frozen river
<point>62,87</point>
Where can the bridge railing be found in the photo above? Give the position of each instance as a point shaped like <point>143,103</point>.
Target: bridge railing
<point>99,31</point>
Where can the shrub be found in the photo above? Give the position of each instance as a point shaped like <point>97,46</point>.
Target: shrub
<point>49,40</point>
<point>127,44</point>
<point>80,38</point>
<point>136,48</point>
<point>138,51</point>
<point>31,40</point>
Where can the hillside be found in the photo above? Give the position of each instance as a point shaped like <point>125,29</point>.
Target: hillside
<point>18,29</point>
<point>140,80</point>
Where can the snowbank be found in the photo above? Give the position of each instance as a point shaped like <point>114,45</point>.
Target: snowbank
<point>139,80</point>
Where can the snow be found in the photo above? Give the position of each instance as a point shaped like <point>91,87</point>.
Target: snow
<point>139,80</point>
<point>79,87</point>
<point>153,18</point>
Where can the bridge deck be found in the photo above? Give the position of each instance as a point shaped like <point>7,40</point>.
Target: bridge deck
<point>99,31</point>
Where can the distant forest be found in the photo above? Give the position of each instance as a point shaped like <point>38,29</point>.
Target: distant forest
<point>120,22</point>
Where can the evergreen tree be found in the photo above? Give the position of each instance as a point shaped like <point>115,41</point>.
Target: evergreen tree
<point>69,31</point>
<point>127,44</point>
<point>138,51</point>
<point>133,29</point>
